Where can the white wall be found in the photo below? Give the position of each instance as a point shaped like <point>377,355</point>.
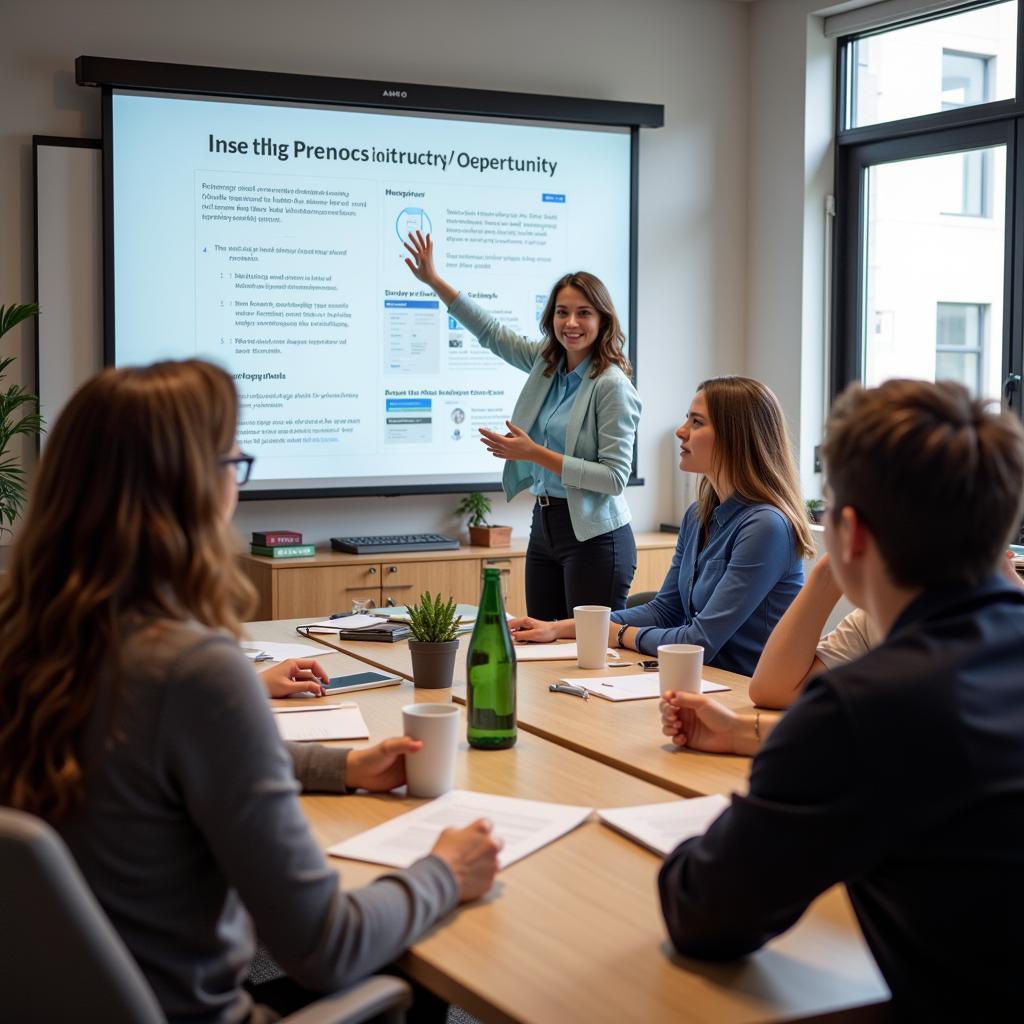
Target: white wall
<point>791,172</point>
<point>691,55</point>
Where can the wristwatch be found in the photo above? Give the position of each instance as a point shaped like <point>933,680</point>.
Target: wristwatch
<point>621,633</point>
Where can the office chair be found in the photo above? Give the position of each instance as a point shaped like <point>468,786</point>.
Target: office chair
<point>62,960</point>
<point>640,597</point>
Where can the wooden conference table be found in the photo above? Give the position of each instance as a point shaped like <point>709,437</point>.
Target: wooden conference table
<point>574,931</point>
<point>625,735</point>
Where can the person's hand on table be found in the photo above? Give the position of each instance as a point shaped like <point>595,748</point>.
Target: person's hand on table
<point>296,675</point>
<point>380,768</point>
<point>699,722</point>
<point>472,855</point>
<point>515,446</point>
<point>525,630</point>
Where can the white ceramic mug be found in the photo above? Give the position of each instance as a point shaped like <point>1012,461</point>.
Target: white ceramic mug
<point>680,667</point>
<point>592,635</point>
<point>431,770</point>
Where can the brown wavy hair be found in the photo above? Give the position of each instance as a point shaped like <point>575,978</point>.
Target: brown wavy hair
<point>609,348</point>
<point>125,525</point>
<point>753,450</point>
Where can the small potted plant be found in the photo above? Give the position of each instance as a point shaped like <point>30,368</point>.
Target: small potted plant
<point>435,629</point>
<point>815,510</point>
<point>475,508</point>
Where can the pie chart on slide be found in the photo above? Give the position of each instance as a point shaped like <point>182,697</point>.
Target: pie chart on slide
<point>412,218</point>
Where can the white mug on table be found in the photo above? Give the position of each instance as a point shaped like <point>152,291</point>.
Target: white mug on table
<point>680,667</point>
<point>592,634</point>
<point>431,770</point>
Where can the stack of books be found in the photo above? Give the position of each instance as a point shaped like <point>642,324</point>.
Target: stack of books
<point>280,544</point>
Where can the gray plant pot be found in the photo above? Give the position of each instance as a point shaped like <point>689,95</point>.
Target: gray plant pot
<point>433,665</point>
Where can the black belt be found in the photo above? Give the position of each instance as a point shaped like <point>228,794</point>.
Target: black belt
<point>544,500</point>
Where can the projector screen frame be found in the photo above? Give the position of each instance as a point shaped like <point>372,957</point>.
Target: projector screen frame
<point>210,82</point>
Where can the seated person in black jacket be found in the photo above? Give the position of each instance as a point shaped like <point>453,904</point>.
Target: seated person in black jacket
<point>900,774</point>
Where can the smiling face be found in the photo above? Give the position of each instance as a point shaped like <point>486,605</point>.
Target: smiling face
<point>696,438</point>
<point>576,324</point>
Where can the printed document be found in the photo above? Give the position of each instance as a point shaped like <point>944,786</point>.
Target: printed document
<point>524,825</point>
<point>641,686</point>
<point>321,722</point>
<point>662,827</point>
<point>253,649</point>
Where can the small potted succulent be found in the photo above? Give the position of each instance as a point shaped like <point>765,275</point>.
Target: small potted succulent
<point>815,510</point>
<point>434,644</point>
<point>475,508</point>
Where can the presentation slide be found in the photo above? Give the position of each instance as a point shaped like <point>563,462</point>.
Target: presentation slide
<point>267,237</point>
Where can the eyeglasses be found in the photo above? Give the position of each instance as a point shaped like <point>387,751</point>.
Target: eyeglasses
<point>243,467</point>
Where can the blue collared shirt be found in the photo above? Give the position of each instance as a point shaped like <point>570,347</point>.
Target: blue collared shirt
<point>551,424</point>
<point>728,595</point>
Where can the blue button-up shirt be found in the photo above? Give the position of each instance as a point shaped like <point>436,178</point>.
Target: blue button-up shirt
<point>728,595</point>
<point>552,421</point>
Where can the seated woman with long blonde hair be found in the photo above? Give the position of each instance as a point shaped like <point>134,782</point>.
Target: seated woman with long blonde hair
<point>132,722</point>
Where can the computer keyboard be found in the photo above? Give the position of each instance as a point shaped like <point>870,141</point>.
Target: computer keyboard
<point>394,542</point>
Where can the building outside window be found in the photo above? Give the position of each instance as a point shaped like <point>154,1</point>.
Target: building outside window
<point>960,329</point>
<point>929,122</point>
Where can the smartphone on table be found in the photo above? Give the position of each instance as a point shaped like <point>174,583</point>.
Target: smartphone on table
<point>360,681</point>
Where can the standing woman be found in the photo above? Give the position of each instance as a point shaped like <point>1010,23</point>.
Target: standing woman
<point>738,561</point>
<point>131,721</point>
<point>570,439</point>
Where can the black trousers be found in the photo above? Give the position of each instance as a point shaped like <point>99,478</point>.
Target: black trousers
<point>562,572</point>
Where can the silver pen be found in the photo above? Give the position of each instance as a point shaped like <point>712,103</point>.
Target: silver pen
<point>575,691</point>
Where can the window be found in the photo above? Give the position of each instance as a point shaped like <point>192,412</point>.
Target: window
<point>966,81</point>
<point>960,329</point>
<point>930,203</point>
<point>904,72</point>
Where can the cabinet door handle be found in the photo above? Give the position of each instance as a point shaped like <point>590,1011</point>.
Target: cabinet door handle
<point>372,571</point>
<point>364,589</point>
<point>399,586</point>
<point>392,568</point>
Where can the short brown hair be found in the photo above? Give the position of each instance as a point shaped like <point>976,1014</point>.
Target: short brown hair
<point>936,475</point>
<point>752,448</point>
<point>125,524</point>
<point>611,342</point>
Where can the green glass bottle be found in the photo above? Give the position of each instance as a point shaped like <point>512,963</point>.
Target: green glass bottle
<point>491,672</point>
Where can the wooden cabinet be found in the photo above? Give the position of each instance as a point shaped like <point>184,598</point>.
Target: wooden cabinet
<point>513,581</point>
<point>651,566</point>
<point>330,582</point>
<point>404,582</point>
<point>321,590</point>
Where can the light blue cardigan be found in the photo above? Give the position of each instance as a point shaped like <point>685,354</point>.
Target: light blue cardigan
<point>598,440</point>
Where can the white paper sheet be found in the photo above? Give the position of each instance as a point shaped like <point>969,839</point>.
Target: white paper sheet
<point>553,652</point>
<point>524,825</point>
<point>279,652</point>
<point>321,722</point>
<point>662,827</point>
<point>640,686</point>
<point>358,621</point>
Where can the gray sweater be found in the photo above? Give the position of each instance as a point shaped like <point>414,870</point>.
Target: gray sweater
<point>192,833</point>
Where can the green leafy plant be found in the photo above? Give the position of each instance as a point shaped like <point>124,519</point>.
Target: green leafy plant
<point>16,418</point>
<point>475,508</point>
<point>434,621</point>
<point>815,509</point>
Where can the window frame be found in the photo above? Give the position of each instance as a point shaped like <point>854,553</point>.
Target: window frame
<point>998,122</point>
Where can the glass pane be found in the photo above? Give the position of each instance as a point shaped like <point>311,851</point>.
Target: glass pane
<point>959,366</point>
<point>956,61</point>
<point>934,282</point>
